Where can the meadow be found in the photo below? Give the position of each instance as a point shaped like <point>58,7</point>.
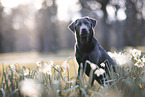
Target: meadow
<point>55,78</point>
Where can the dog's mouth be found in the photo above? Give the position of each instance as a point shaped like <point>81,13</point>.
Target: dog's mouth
<point>84,35</point>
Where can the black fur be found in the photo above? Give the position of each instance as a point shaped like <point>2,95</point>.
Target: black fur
<point>88,48</point>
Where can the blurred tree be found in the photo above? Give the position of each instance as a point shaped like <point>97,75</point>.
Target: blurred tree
<point>1,19</point>
<point>130,31</point>
<point>134,33</point>
<point>17,29</point>
<point>47,26</point>
<point>7,34</point>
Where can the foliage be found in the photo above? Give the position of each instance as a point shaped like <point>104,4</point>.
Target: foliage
<point>50,80</point>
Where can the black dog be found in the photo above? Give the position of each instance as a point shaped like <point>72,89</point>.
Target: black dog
<point>88,48</point>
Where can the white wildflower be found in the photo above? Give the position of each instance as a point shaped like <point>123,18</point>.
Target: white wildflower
<point>139,63</point>
<point>99,72</point>
<point>39,63</point>
<point>49,72</point>
<point>30,87</point>
<point>58,91</point>
<point>13,70</point>
<point>143,58</point>
<point>65,65</point>
<point>102,64</point>
<point>50,63</point>
<point>12,66</point>
<point>45,68</point>
<point>120,57</point>
<point>57,66</point>
<point>112,55</point>
<point>92,65</point>
<point>135,53</point>
<point>26,72</point>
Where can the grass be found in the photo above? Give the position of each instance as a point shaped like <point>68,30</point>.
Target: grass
<point>59,78</point>
<point>31,66</point>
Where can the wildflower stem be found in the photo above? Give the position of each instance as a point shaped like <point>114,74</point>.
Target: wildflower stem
<point>59,73</point>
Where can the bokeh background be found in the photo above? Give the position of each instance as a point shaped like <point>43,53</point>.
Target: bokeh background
<point>42,25</point>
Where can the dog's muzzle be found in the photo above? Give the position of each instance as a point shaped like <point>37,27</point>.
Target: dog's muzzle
<point>84,33</point>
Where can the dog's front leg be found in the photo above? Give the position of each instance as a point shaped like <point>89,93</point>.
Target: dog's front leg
<point>92,81</point>
<point>78,76</point>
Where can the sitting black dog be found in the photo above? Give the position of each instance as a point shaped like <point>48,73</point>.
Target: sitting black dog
<point>88,48</point>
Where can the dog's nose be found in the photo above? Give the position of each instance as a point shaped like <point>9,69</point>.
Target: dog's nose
<point>84,30</point>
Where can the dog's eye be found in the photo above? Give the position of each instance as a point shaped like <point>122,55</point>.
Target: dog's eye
<point>79,24</point>
<point>86,23</point>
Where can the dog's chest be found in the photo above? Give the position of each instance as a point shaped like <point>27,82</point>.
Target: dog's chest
<point>82,57</point>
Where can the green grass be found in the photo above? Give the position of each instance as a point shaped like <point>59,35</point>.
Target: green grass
<point>31,66</point>
<point>54,79</point>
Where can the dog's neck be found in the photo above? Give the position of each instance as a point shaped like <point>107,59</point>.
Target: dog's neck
<point>86,47</point>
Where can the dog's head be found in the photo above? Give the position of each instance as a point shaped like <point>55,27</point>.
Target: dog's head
<point>83,28</point>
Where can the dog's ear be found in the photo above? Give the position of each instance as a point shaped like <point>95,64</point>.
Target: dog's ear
<point>72,27</point>
<point>93,21</point>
